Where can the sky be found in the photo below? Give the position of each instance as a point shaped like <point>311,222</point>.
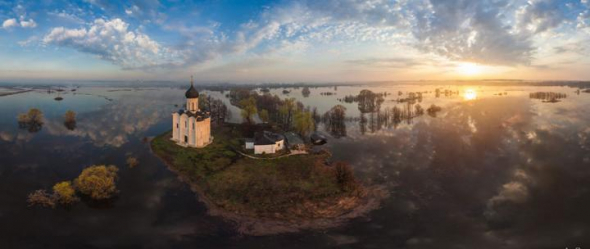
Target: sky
<point>294,41</point>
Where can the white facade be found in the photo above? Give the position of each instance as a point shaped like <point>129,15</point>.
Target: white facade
<point>191,127</point>
<point>267,148</point>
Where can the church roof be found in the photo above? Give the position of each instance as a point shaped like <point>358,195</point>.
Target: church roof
<point>267,138</point>
<point>200,115</point>
<point>191,92</point>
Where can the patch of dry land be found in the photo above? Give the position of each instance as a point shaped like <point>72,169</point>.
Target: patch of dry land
<point>268,196</point>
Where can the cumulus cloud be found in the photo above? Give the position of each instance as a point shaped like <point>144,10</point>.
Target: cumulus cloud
<point>488,32</point>
<point>12,22</point>
<point>9,23</point>
<point>455,29</point>
<point>112,41</point>
<point>27,23</point>
<point>469,31</point>
<point>541,15</point>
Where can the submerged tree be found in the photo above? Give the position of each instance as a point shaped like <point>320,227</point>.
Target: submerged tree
<point>32,120</point>
<point>369,101</point>
<point>433,109</point>
<point>132,162</point>
<point>64,193</point>
<point>305,92</point>
<point>335,121</point>
<point>70,120</point>
<point>42,198</point>
<point>97,181</point>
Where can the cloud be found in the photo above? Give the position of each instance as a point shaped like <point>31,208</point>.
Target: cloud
<point>469,31</point>
<point>28,41</point>
<point>455,29</point>
<point>541,15</point>
<point>112,41</point>
<point>27,23</point>
<point>485,32</point>
<point>9,23</point>
<point>387,62</point>
<point>68,17</point>
<point>12,22</point>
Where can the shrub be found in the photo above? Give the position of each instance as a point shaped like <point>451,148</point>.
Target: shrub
<point>97,181</point>
<point>132,162</point>
<point>64,193</point>
<point>35,115</point>
<point>32,120</point>
<point>42,198</point>
<point>70,116</point>
<point>70,120</point>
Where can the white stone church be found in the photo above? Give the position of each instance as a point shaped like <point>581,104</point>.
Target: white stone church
<point>191,127</point>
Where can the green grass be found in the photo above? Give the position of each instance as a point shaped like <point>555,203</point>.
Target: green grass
<point>250,186</point>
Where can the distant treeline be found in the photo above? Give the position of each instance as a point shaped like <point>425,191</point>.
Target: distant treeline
<point>548,96</point>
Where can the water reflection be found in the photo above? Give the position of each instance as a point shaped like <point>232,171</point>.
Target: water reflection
<point>495,172</point>
<point>470,94</point>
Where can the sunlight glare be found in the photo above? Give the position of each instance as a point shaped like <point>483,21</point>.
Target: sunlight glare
<point>470,94</point>
<point>468,68</point>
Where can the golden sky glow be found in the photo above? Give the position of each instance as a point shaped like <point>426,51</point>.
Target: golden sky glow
<point>296,41</point>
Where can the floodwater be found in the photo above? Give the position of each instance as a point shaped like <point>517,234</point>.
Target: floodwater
<point>489,171</point>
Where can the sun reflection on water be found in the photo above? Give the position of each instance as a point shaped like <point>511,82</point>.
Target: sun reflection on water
<point>470,94</point>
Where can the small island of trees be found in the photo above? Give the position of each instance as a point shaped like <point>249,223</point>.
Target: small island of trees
<point>31,121</point>
<point>97,183</point>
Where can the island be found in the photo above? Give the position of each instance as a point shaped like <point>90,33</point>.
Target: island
<point>265,184</point>
<point>268,195</point>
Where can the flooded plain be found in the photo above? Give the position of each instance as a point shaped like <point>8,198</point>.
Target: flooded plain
<point>496,167</point>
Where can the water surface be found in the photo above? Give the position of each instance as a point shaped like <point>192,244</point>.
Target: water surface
<point>489,171</point>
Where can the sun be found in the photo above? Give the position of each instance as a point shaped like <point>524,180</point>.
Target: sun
<point>470,94</point>
<point>468,68</point>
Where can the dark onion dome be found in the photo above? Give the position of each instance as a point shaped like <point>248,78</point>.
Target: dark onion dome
<point>191,92</point>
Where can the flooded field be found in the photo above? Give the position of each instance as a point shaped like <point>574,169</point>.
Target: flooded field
<point>489,167</point>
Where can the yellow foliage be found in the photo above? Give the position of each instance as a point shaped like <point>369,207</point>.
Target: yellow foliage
<point>70,116</point>
<point>64,192</point>
<point>132,162</point>
<point>97,181</point>
<point>42,198</point>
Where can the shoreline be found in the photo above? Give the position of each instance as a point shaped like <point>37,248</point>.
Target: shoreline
<point>337,211</point>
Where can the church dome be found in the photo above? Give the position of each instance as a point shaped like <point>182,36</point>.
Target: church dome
<point>191,92</point>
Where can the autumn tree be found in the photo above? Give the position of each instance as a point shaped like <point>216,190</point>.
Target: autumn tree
<point>70,120</point>
<point>97,181</point>
<point>132,162</point>
<point>64,193</point>
<point>42,198</point>
<point>35,115</point>
<point>32,120</point>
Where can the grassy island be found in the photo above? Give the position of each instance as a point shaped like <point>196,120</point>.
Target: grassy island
<point>291,189</point>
